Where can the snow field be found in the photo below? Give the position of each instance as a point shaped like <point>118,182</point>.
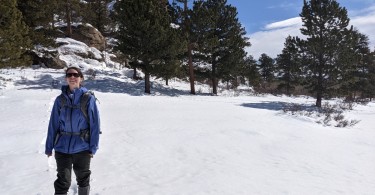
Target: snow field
<point>172,143</point>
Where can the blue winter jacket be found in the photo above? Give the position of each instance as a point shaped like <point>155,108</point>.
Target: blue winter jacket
<point>71,119</point>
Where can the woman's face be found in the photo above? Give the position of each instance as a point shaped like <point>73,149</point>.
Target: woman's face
<point>73,78</point>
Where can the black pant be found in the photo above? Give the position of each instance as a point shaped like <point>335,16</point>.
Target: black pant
<point>81,166</point>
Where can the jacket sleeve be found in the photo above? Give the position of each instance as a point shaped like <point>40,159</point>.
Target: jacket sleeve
<point>53,126</point>
<point>93,113</point>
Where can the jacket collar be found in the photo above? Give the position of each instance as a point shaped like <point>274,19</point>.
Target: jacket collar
<point>76,93</point>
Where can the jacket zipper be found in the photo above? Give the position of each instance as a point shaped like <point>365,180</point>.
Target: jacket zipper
<point>71,124</point>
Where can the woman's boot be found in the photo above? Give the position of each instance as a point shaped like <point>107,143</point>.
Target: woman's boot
<point>84,190</point>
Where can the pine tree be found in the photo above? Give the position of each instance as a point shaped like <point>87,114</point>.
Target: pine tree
<point>167,69</point>
<point>32,12</point>
<point>69,11</point>
<point>14,41</point>
<point>267,68</point>
<point>249,70</point>
<point>183,18</point>
<point>38,16</point>
<point>324,22</point>
<point>288,65</point>
<point>220,37</point>
<point>233,55</point>
<point>51,11</point>
<point>145,35</point>
<point>170,64</point>
<point>97,14</point>
<point>352,63</point>
<point>369,91</point>
<point>356,79</point>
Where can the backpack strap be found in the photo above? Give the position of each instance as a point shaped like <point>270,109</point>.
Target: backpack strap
<point>62,101</point>
<point>84,100</point>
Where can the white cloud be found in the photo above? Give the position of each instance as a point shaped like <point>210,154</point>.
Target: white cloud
<point>366,24</point>
<point>285,23</point>
<point>271,39</point>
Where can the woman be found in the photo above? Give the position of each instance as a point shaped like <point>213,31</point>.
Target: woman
<point>73,135</point>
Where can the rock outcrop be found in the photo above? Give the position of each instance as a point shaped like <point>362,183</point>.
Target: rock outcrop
<point>89,35</point>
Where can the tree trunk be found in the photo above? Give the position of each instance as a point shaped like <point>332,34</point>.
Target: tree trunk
<point>319,99</point>
<point>190,58</point>
<point>191,70</point>
<point>135,74</point>
<point>288,89</point>
<point>236,83</point>
<point>166,81</point>
<point>147,81</point>
<point>319,93</point>
<point>53,21</point>
<point>214,84</point>
<point>68,19</point>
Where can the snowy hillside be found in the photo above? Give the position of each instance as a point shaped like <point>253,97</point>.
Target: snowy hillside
<point>173,143</point>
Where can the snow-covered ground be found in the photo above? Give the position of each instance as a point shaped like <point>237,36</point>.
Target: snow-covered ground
<point>173,143</point>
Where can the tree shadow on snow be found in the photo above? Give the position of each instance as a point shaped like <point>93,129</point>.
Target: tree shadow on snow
<point>134,88</point>
<point>105,85</point>
<point>276,106</point>
<point>44,81</point>
<point>109,84</point>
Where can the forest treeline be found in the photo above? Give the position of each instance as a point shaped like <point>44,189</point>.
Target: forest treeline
<point>204,41</point>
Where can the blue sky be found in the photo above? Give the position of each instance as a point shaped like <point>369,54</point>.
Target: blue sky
<point>269,22</point>
<point>256,14</point>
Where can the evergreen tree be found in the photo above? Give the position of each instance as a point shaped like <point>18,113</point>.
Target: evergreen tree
<point>38,16</point>
<point>145,35</point>
<point>266,68</point>
<point>324,23</point>
<point>170,65</point>
<point>369,92</point>
<point>14,40</point>
<point>168,69</point>
<point>182,17</point>
<point>220,37</point>
<point>69,11</point>
<point>233,57</point>
<point>353,61</point>
<point>288,65</point>
<point>97,13</point>
<point>33,12</point>
<point>357,78</point>
<point>249,70</point>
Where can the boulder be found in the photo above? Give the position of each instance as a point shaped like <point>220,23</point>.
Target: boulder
<point>89,35</point>
<point>45,58</point>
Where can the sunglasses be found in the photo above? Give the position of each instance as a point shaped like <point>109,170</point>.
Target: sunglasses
<point>76,75</point>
